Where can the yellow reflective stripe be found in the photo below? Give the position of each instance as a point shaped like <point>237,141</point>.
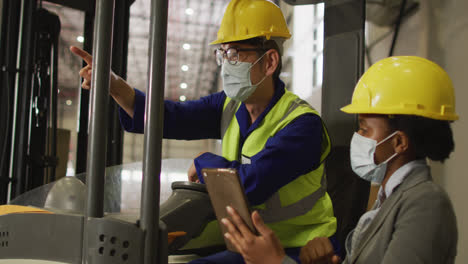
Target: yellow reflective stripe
<point>293,107</point>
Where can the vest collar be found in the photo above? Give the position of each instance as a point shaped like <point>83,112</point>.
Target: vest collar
<point>243,117</point>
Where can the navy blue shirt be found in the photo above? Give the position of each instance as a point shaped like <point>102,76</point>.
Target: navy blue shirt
<point>293,151</point>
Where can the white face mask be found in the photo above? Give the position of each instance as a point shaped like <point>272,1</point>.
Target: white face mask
<point>362,158</point>
<point>236,79</point>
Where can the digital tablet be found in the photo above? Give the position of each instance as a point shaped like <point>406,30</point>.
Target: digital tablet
<point>224,188</point>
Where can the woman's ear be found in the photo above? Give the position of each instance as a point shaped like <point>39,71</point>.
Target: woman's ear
<point>271,61</point>
<point>401,142</point>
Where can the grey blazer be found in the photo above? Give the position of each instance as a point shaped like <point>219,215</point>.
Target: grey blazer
<point>416,224</point>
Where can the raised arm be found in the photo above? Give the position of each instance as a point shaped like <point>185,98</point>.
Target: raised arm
<point>119,89</point>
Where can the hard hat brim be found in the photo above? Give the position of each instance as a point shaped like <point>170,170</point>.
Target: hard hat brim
<point>239,38</point>
<point>352,109</point>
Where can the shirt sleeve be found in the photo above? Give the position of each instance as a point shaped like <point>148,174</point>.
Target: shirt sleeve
<point>137,123</point>
<point>197,119</point>
<point>293,151</point>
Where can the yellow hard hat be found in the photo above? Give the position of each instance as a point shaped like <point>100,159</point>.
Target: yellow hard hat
<point>246,19</point>
<point>404,85</point>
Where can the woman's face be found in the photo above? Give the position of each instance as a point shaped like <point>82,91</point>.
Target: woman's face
<point>376,127</point>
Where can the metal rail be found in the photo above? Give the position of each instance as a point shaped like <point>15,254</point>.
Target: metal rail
<point>97,145</point>
<point>99,100</point>
<point>149,213</point>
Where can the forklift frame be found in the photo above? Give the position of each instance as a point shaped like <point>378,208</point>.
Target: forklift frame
<point>98,238</point>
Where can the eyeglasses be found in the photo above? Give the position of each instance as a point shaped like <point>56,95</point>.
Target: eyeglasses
<point>231,54</point>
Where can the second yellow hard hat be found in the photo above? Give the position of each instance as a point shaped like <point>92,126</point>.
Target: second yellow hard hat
<point>405,85</point>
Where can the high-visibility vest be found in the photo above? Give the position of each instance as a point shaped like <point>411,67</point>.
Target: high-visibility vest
<point>299,211</point>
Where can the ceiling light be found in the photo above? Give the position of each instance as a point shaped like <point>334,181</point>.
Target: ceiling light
<point>69,102</point>
<point>189,11</point>
<point>183,86</point>
<point>184,67</point>
<point>186,46</point>
<point>182,98</point>
<point>80,39</point>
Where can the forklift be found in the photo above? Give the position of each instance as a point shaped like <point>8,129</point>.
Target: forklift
<point>79,219</point>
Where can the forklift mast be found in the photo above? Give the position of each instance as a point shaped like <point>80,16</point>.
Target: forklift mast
<point>97,238</point>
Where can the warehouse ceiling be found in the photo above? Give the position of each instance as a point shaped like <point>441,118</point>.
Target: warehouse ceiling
<point>191,71</point>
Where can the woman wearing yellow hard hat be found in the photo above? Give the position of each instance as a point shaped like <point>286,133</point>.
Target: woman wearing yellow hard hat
<point>405,106</point>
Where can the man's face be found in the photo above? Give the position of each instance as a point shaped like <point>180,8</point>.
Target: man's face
<point>248,53</point>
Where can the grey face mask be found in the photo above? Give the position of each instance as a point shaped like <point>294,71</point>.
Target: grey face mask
<point>236,79</point>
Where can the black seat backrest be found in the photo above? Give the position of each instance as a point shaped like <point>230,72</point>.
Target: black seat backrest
<point>349,193</point>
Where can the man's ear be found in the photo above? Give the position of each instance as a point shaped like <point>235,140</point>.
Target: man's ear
<point>401,142</point>
<point>272,59</point>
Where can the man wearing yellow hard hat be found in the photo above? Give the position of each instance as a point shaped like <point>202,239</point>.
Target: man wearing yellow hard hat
<point>405,106</point>
<point>276,141</point>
